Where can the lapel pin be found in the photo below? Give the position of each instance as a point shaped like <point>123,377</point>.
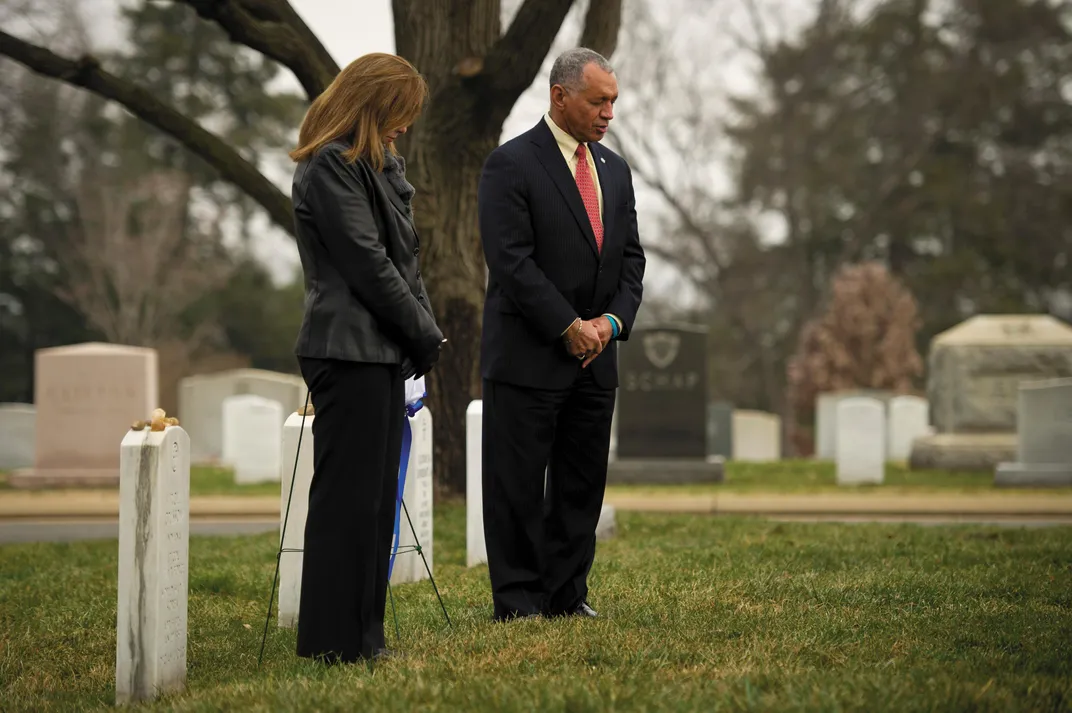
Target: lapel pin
<point>602,160</point>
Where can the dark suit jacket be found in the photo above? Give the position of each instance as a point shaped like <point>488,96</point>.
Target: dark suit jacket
<point>543,267</point>
<point>364,297</point>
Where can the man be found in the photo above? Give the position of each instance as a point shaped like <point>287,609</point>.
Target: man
<point>565,270</point>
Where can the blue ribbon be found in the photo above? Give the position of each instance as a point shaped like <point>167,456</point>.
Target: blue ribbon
<point>403,466</point>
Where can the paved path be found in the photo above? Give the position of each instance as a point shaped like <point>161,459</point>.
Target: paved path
<point>103,504</point>
<point>72,530</point>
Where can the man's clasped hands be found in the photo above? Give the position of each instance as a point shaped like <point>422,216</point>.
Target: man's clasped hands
<point>585,339</point>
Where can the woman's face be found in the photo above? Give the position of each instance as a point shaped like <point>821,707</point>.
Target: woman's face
<point>394,134</point>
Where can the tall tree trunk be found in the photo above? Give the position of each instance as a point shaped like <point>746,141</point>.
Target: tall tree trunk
<point>475,75</point>
<point>445,152</point>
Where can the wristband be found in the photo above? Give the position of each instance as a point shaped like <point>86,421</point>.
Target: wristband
<point>614,331</point>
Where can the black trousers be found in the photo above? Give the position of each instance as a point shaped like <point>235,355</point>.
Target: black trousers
<point>541,543</point>
<point>349,530</point>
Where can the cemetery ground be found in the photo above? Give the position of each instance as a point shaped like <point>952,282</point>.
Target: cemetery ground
<point>698,613</point>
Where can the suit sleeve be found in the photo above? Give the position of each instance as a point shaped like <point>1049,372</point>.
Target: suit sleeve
<point>626,301</point>
<point>507,235</point>
<point>339,200</point>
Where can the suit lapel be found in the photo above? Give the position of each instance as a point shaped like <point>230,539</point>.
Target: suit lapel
<point>550,156</point>
<point>606,187</point>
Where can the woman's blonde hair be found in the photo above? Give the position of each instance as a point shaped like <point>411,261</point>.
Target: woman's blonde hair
<point>374,94</point>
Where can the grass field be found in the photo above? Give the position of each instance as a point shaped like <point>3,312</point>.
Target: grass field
<point>787,476</point>
<point>699,613</point>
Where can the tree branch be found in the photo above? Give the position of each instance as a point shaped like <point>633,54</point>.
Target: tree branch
<point>87,73</point>
<point>514,60</point>
<point>274,29</point>
<point>601,25</point>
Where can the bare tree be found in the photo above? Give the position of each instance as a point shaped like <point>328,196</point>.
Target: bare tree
<point>865,338</point>
<point>134,267</point>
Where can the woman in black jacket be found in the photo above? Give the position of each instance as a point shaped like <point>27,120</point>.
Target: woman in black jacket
<point>367,327</point>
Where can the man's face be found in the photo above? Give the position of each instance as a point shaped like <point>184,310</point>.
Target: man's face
<point>587,111</point>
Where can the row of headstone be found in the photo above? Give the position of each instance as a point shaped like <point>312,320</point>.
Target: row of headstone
<point>905,418</point>
<point>1044,437</point>
<point>476,551</point>
<point>91,393</point>
<point>203,413</point>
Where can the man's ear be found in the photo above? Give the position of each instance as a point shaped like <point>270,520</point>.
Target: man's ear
<point>558,96</point>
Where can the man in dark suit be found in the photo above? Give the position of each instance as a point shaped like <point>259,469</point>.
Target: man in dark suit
<point>565,270</point>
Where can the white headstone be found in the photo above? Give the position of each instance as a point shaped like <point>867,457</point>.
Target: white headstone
<point>757,436</point>
<point>861,441</point>
<point>154,534</point>
<point>476,552</point>
<point>825,425</point>
<point>292,522</point>
<point>409,567</point>
<point>201,403</point>
<point>17,435</point>
<point>908,419</point>
<point>252,437</point>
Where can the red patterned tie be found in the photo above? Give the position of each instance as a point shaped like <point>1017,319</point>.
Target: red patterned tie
<point>588,194</point>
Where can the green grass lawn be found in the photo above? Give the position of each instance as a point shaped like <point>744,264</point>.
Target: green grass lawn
<point>787,476</point>
<point>808,476</point>
<point>699,613</point>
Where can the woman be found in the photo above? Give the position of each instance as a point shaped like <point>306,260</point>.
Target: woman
<point>367,327</point>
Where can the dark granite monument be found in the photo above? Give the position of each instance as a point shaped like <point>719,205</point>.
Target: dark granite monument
<point>662,407</point>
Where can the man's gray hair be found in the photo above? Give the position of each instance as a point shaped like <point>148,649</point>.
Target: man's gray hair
<point>568,69</point>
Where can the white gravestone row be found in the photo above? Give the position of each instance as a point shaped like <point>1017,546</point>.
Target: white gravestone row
<point>154,533</point>
<point>201,403</point>
<point>907,418</point>
<point>408,567</point>
<point>476,551</point>
<point>860,450</point>
<point>252,437</point>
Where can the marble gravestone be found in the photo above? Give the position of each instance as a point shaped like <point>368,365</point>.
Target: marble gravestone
<point>17,422</point>
<point>89,395</point>
<point>154,532</point>
<point>861,441</point>
<point>757,436</point>
<point>826,417</point>
<point>1044,437</point>
<point>908,418</point>
<point>476,551</point>
<point>409,567</point>
<point>974,372</point>
<point>252,438</point>
<point>201,403</point>
<point>294,489</point>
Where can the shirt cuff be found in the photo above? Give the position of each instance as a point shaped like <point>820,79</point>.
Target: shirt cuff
<point>568,327</point>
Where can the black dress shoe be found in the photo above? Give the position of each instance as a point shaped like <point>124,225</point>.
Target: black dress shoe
<point>583,609</point>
